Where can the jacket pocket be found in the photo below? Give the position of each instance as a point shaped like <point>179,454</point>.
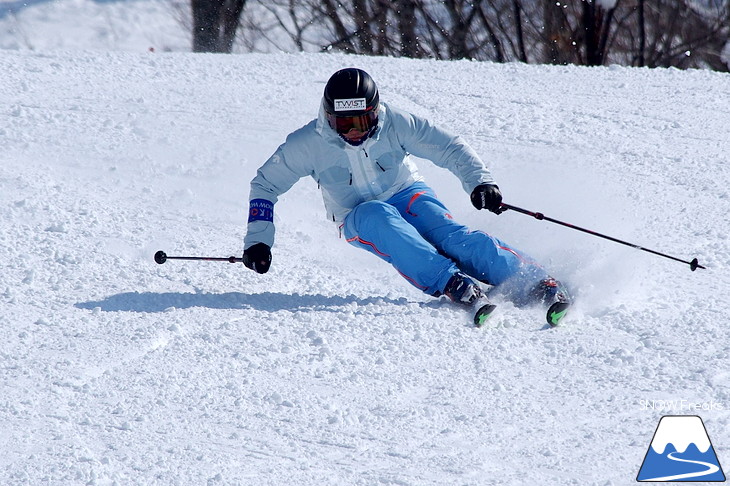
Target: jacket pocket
<point>334,176</point>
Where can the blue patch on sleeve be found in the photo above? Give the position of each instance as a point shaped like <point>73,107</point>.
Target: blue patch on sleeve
<point>261,210</point>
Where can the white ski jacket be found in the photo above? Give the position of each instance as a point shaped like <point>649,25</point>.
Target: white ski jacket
<point>348,175</point>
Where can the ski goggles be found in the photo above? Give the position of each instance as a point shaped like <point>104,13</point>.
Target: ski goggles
<point>361,123</point>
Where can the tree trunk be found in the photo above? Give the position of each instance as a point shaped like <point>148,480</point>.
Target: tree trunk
<point>205,25</point>
<point>641,58</point>
<point>231,18</point>
<point>215,23</point>
<point>555,49</point>
<point>406,14</point>
<point>517,8</point>
<point>364,36</point>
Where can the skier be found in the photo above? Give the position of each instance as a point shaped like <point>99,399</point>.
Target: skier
<point>358,152</point>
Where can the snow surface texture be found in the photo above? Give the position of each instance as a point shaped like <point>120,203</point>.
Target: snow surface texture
<point>331,369</point>
<point>123,25</point>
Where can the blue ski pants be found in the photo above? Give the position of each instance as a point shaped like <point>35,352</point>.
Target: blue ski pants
<point>414,232</point>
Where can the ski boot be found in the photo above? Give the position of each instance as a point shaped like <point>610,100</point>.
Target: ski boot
<point>555,297</point>
<point>462,290</point>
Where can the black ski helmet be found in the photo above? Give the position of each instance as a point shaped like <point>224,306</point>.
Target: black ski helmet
<point>350,92</point>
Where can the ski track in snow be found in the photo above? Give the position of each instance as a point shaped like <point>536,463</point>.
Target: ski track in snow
<point>330,369</point>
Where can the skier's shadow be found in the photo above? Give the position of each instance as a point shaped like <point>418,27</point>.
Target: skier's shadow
<point>265,301</point>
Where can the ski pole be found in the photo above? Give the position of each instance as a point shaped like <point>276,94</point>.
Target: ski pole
<point>693,265</point>
<point>161,257</point>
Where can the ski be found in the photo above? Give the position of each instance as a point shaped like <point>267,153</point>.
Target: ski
<point>548,293</point>
<point>557,299</point>
<point>483,313</point>
<point>557,312</point>
<point>554,316</point>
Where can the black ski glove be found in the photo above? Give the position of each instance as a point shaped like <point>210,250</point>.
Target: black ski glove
<point>258,257</point>
<point>487,196</point>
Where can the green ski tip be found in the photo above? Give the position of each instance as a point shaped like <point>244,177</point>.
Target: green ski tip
<point>556,312</point>
<point>481,315</point>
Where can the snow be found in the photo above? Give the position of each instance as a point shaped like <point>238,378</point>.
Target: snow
<point>119,25</point>
<point>331,369</point>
